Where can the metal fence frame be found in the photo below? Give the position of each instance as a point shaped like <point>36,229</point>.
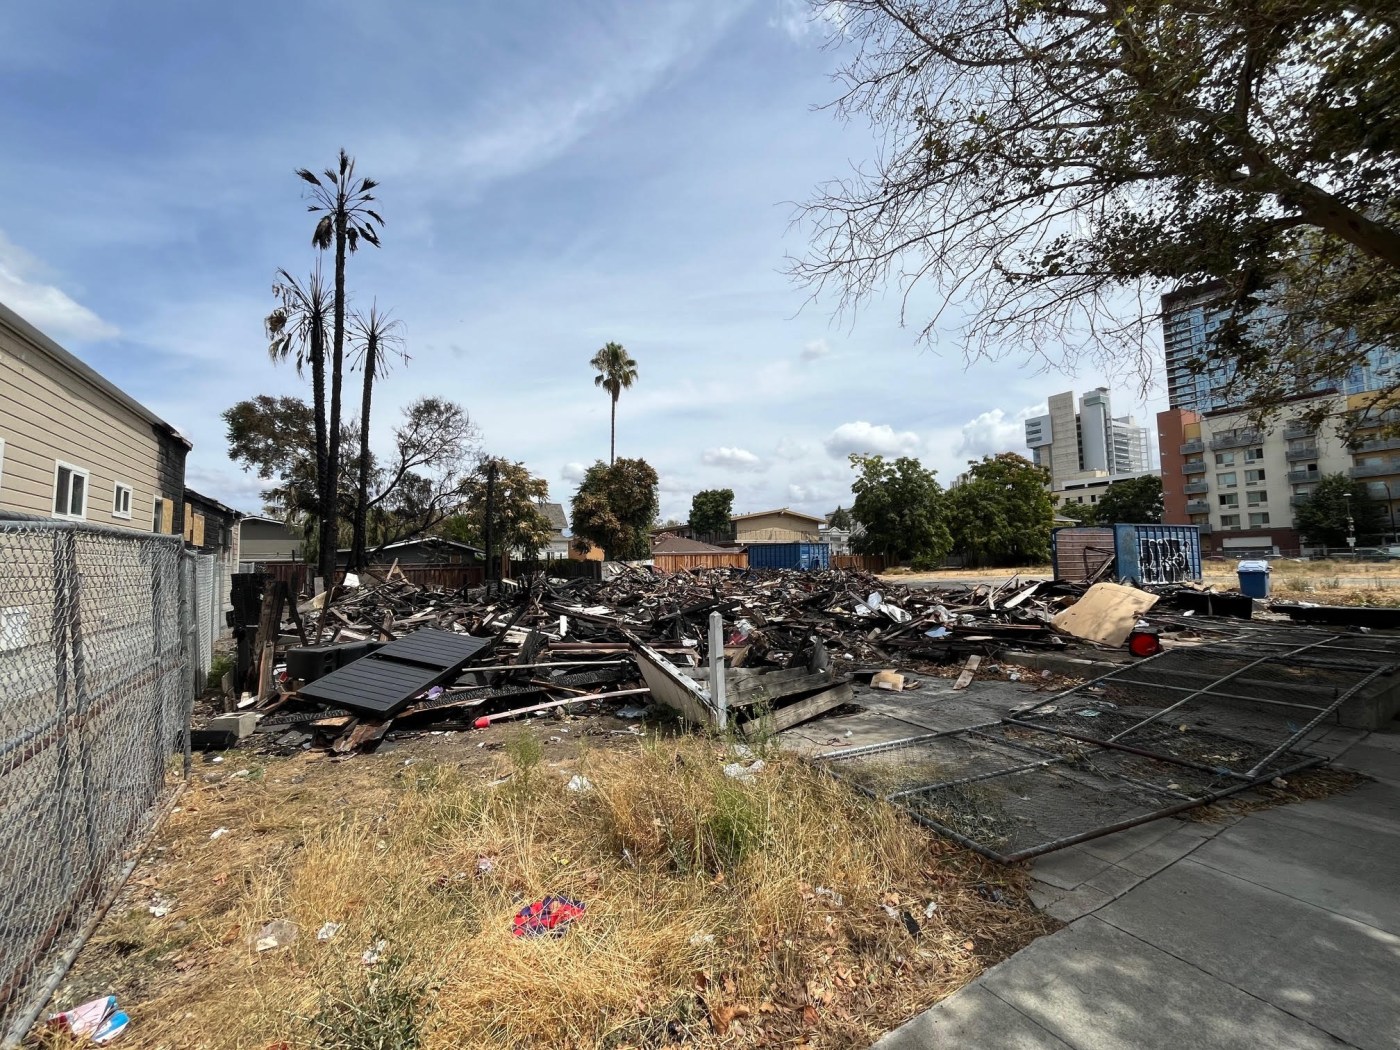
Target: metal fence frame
<point>105,636</point>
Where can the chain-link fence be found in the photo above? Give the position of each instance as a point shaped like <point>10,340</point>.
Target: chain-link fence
<point>97,678</point>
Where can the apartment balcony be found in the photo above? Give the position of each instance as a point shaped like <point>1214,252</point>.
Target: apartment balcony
<point>1196,466</point>
<point>1298,455</point>
<point>1198,506</point>
<point>1297,429</point>
<point>1303,477</point>
<point>1298,499</point>
<point>1389,444</point>
<point>1195,488</point>
<point>1191,448</point>
<point>1205,527</point>
<point>1240,439</point>
<point>1374,470</point>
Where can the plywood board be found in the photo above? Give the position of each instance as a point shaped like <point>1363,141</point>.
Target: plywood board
<point>1106,614</point>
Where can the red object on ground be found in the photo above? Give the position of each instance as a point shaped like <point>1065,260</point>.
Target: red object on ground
<point>1144,643</point>
<point>550,916</point>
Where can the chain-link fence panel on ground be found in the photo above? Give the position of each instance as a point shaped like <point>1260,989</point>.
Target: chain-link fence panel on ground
<point>96,684</point>
<point>1149,739</point>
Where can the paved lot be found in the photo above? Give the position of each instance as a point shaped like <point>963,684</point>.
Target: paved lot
<point>1281,930</point>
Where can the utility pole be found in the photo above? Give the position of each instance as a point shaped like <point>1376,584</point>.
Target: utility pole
<point>1351,525</point>
<point>490,513</point>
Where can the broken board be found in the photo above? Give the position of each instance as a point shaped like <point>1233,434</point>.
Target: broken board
<point>1106,614</point>
<point>383,682</point>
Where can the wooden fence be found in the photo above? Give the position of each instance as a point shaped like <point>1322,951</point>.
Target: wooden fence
<point>738,559</point>
<point>864,562</point>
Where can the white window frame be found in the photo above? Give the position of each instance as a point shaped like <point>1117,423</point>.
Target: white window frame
<point>73,470</point>
<point>117,489</point>
<point>157,506</point>
<point>1260,524</point>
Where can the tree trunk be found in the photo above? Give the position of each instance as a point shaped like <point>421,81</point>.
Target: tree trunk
<point>318,394</point>
<point>612,443</point>
<point>357,556</point>
<point>332,510</point>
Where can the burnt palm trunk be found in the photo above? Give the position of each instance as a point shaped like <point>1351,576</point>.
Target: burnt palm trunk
<point>318,394</point>
<point>362,489</point>
<point>332,508</point>
<point>612,443</point>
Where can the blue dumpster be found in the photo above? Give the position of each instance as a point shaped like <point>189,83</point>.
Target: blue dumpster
<point>1254,578</point>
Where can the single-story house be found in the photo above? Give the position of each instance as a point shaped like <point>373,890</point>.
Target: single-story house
<point>777,526</point>
<point>422,550</point>
<point>212,528</point>
<point>74,446</point>
<point>558,546</point>
<point>262,540</point>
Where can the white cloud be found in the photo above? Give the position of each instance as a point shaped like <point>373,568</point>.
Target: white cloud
<point>731,458</point>
<point>864,437</point>
<point>815,350</point>
<point>48,308</point>
<point>573,472</point>
<point>797,19</point>
<point>994,432</point>
<point>791,448</point>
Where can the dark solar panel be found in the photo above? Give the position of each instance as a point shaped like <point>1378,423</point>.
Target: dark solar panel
<point>386,680</point>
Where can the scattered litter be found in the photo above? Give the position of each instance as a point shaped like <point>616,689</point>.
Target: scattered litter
<point>889,680</point>
<point>279,933</point>
<point>328,931</point>
<point>580,783</point>
<point>836,899</point>
<point>930,908</point>
<point>549,916</point>
<point>631,711</point>
<point>485,865</point>
<point>745,775</point>
<point>160,906</point>
<point>87,1018</point>
<point>1278,782</point>
<point>938,632</point>
<point>218,833</point>
<point>373,953</point>
<point>1088,712</point>
<point>702,939</point>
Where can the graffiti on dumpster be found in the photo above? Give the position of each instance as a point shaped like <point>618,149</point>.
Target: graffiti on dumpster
<point>1164,559</point>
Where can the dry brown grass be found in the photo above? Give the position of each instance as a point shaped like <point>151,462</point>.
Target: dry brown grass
<point>1298,787</point>
<point>702,908</point>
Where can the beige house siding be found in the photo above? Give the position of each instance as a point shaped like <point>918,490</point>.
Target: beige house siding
<point>778,527</point>
<point>49,414</point>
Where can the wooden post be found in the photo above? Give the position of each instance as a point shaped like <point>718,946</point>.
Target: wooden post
<point>718,693</point>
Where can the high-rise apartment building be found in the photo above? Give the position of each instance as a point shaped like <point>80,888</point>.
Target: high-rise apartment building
<point>1089,443</point>
<point>1196,378</point>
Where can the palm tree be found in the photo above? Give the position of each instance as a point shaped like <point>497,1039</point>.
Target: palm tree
<point>346,218</point>
<point>616,373</point>
<point>297,327</point>
<point>375,337</point>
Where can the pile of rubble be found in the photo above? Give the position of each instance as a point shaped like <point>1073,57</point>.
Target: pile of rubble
<point>384,651</point>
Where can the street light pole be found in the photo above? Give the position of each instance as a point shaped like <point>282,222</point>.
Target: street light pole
<point>1351,525</point>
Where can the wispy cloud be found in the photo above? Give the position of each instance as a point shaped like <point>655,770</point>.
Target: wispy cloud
<point>816,350</point>
<point>732,458</point>
<point>45,306</point>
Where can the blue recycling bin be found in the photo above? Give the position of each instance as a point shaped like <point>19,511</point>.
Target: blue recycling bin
<point>1254,578</point>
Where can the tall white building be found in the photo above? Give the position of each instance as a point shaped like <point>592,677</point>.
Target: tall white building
<point>1087,444</point>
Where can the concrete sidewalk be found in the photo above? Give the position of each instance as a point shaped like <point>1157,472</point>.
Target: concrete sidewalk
<point>1281,930</point>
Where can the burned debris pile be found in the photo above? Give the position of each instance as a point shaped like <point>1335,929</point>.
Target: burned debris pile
<point>384,652</point>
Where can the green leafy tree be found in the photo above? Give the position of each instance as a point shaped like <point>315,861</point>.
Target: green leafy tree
<point>1049,166</point>
<point>1137,501</point>
<point>840,519</point>
<point>616,373</point>
<point>900,504</point>
<point>1323,518</point>
<point>711,511</point>
<point>1084,513</point>
<point>518,522</point>
<point>1000,513</point>
<point>343,203</point>
<point>614,508</point>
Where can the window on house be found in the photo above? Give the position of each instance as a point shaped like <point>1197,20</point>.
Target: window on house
<point>1224,459</point>
<point>1253,477</point>
<point>1225,481</point>
<point>1229,521</point>
<point>1093,499</point>
<point>1259,519</point>
<point>1229,499</point>
<point>1253,455</point>
<point>121,501</point>
<point>1257,498</point>
<point>69,491</point>
<point>159,514</point>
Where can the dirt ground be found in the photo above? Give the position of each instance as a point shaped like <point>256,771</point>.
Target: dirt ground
<point>783,909</point>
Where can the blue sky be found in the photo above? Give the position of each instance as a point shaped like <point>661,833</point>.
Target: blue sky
<point>554,176</point>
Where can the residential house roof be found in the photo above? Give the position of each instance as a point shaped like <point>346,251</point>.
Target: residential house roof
<point>781,510</point>
<point>425,541</point>
<point>68,361</point>
<point>198,497</point>
<point>666,543</point>
<point>554,514</point>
